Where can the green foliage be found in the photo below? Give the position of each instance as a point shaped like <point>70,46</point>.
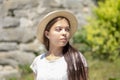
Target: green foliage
<point>102,35</point>
<point>13,78</point>
<point>103,31</point>
<point>100,0</point>
<point>28,76</point>
<point>80,42</point>
<point>25,69</point>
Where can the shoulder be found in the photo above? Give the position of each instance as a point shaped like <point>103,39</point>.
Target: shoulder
<point>34,64</point>
<point>41,56</point>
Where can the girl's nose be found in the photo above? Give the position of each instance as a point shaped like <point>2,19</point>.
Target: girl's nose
<point>64,32</point>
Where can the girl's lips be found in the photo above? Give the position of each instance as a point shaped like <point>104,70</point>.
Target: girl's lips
<point>63,39</point>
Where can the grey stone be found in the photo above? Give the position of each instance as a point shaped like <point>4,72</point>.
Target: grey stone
<point>8,46</point>
<point>7,61</point>
<point>1,1</point>
<point>17,34</point>
<point>9,22</point>
<point>16,58</point>
<point>24,22</point>
<point>56,3</point>
<point>81,19</point>
<point>19,4</point>
<point>28,34</point>
<point>26,13</point>
<point>3,11</point>
<point>21,57</point>
<point>10,35</point>
<point>6,75</point>
<point>30,47</point>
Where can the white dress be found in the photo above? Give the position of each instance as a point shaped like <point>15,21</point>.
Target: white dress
<point>51,70</point>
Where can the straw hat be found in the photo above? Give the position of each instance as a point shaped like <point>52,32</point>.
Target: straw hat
<point>46,19</point>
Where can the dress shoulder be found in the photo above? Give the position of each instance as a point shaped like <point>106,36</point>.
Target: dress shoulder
<point>33,66</point>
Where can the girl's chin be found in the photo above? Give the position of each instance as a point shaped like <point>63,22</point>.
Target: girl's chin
<point>62,45</point>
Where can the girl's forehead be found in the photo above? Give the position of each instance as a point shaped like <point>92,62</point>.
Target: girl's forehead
<point>61,23</point>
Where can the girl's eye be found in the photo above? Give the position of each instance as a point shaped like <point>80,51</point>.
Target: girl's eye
<point>58,29</point>
<point>67,29</point>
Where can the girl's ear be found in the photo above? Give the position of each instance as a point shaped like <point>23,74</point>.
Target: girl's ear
<point>47,34</point>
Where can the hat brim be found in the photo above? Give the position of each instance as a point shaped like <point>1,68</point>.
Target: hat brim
<point>65,13</point>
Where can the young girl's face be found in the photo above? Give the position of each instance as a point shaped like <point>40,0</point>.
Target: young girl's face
<point>59,33</point>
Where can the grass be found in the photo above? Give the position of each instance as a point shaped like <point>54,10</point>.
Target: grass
<point>27,77</point>
<point>103,70</point>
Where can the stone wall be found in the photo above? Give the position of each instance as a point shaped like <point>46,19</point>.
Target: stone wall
<point>18,22</point>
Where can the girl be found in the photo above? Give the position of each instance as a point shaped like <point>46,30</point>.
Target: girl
<point>62,61</point>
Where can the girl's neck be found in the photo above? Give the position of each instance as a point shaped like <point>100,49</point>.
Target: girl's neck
<point>54,51</point>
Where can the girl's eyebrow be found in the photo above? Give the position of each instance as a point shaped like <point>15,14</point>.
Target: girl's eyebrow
<point>62,27</point>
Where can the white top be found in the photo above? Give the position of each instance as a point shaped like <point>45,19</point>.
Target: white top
<point>51,70</point>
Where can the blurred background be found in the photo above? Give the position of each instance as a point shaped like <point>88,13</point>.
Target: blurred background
<point>98,35</point>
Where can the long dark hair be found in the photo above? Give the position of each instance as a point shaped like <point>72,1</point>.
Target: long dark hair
<point>75,66</point>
